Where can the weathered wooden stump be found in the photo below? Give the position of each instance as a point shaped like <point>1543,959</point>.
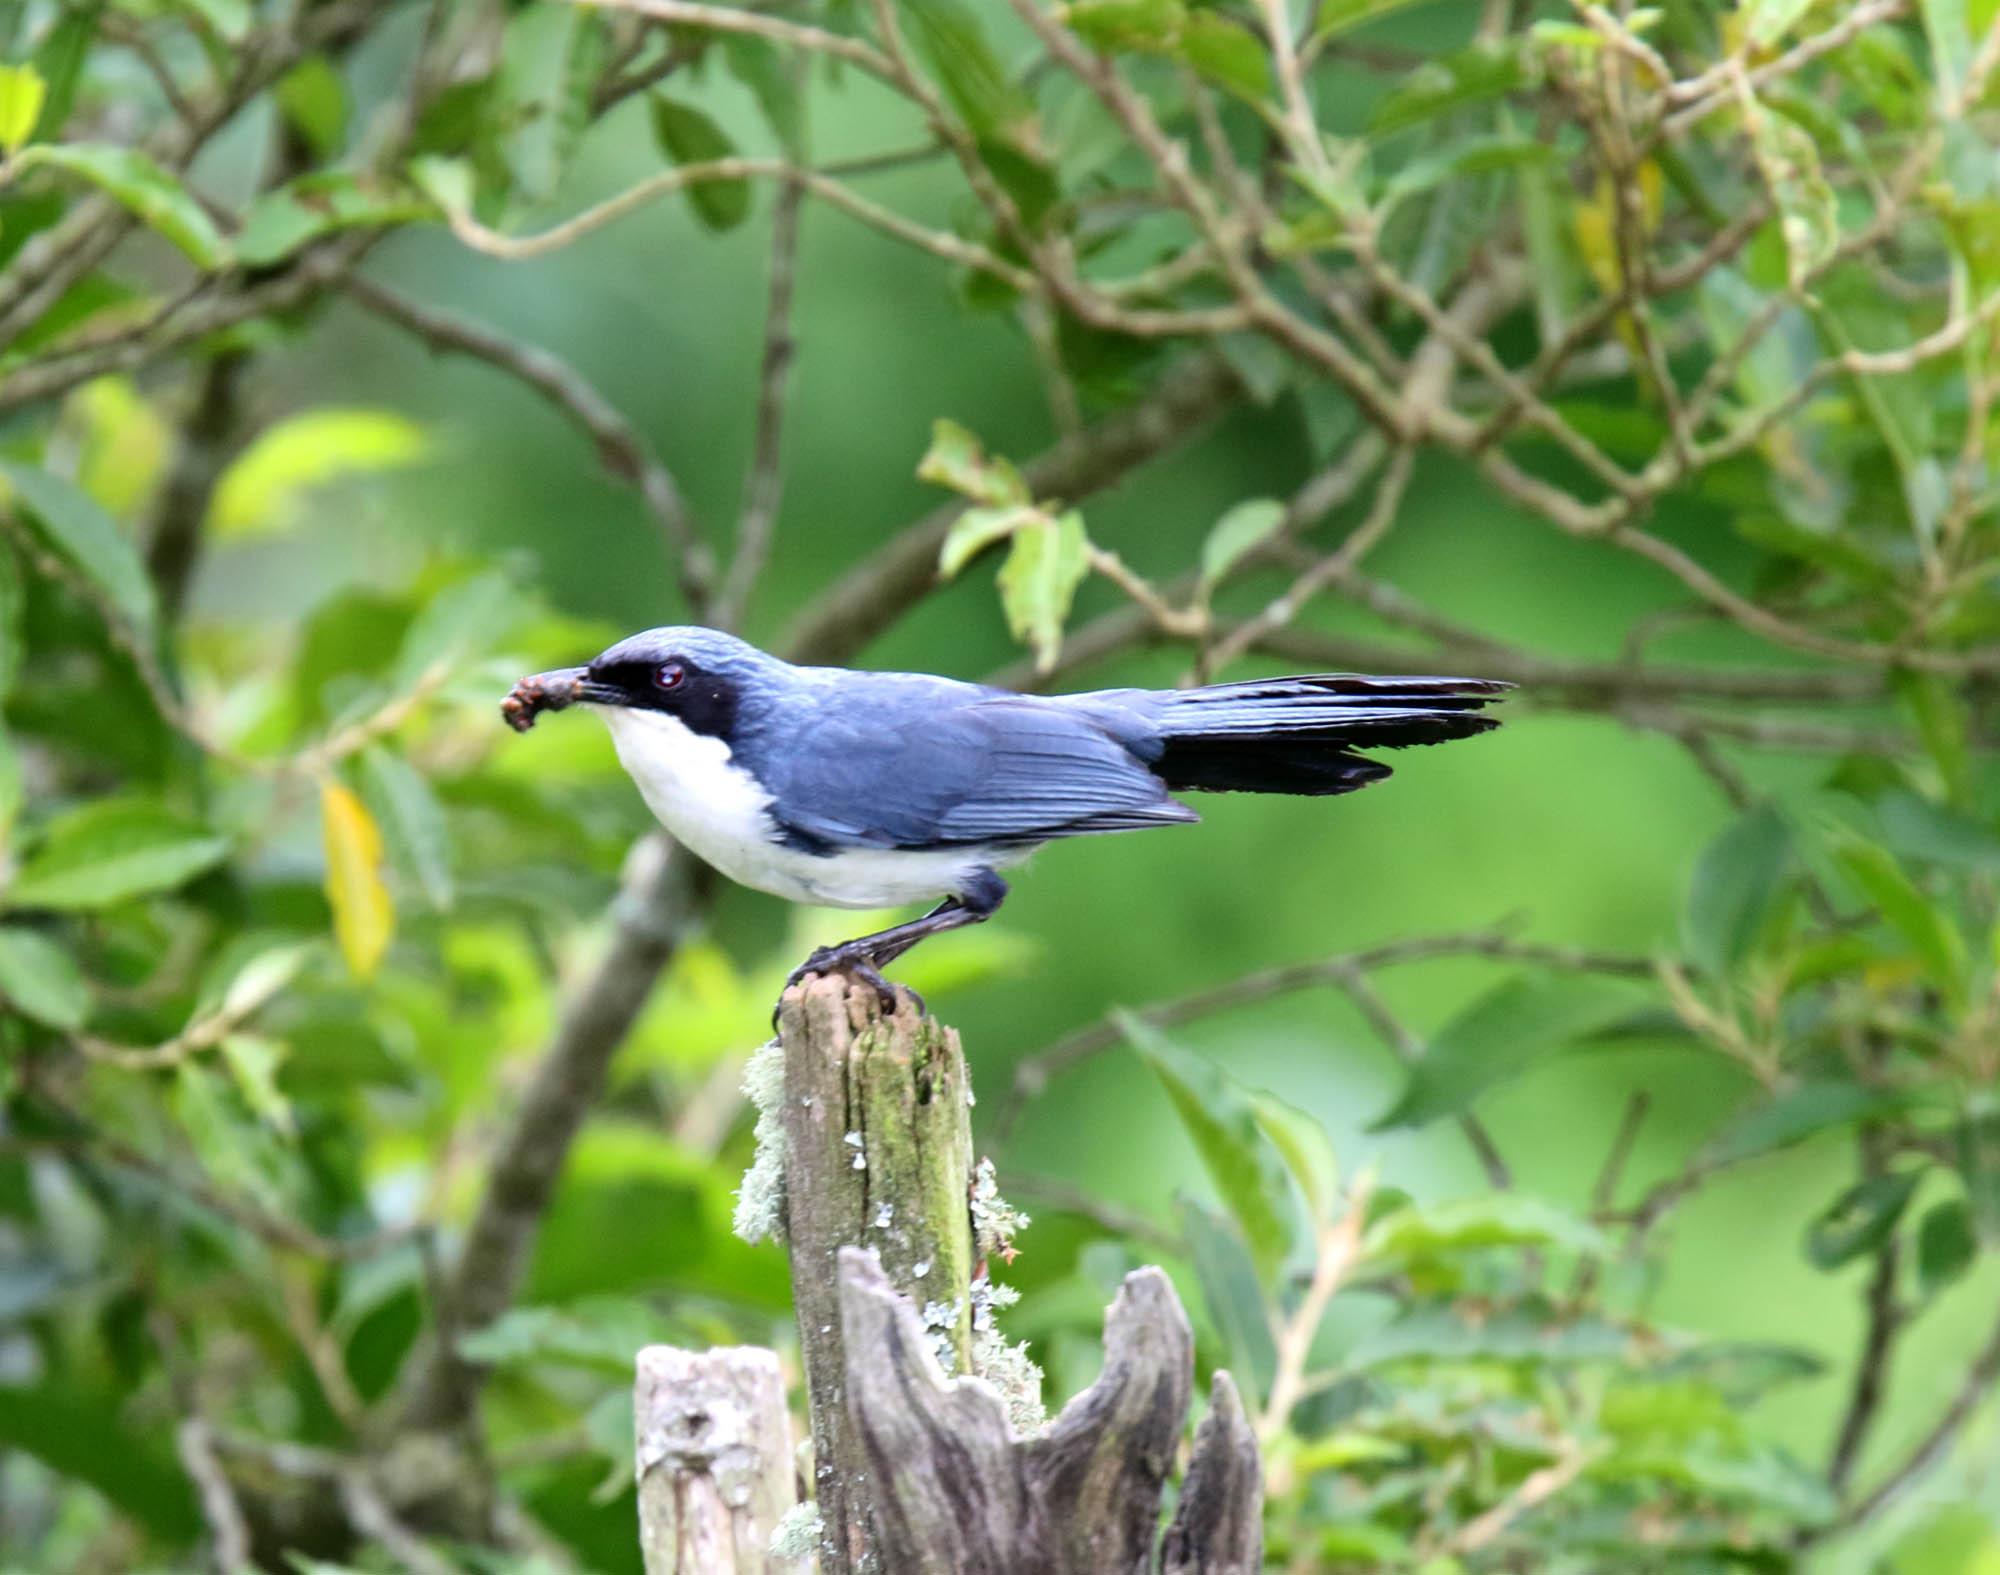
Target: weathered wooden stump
<point>955,1491</point>
<point>878,1153</point>
<point>714,1461</point>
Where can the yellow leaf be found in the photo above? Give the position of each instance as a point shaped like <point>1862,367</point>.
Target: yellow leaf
<point>21,93</point>
<point>1596,221</point>
<point>364,917</point>
<point>125,444</point>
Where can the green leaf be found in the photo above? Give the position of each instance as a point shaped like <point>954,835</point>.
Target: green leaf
<point>313,98</point>
<point>1233,1297</point>
<point>759,66</point>
<point>233,1149</point>
<point>13,598</point>
<point>952,39</point>
<point>467,615</point>
<point>1937,706</point>
<point>1951,1539</point>
<point>1337,16</point>
<point>1514,1026</point>
<point>39,979</point>
<point>364,914</point>
<point>253,1063</point>
<point>587,50</point>
<point>686,135</point>
<point>1931,934</point>
<point>1111,26</point>
<point>1227,54</point>
<point>135,181</point>
<point>977,529</point>
<point>110,851</point>
<point>1221,1119</point>
<point>1467,156</point>
<point>258,982</point>
<point>22,93</point>
<point>1471,76</point>
<point>1501,1219</point>
<point>1860,1219</point>
<point>264,489</point>
<point>93,1438</point>
<point>1949,31</point>
<point>1805,1112</point>
<point>69,523</point>
<point>1441,1329</point>
<point>1919,829</point>
<point>599,1333</point>
<point>1038,582</point>
<point>412,820</point>
<point>956,460</point>
<point>1307,1152</point>
<point>1767,21</point>
<point>60,58</point>
<point>1808,212</point>
<point>447,182</point>
<point>1239,532</point>
<point>12,791</point>
<point>279,222</point>
<point>1977,1158</point>
<point>1734,882</point>
<point>1946,1246</point>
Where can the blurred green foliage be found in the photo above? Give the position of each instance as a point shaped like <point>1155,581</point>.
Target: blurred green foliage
<point>1584,1150</point>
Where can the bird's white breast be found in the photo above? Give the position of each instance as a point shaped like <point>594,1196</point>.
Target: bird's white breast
<point>719,811</point>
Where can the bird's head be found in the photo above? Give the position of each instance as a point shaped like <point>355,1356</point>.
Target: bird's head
<point>694,674</point>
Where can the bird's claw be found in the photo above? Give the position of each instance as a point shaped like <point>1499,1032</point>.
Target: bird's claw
<point>857,965</point>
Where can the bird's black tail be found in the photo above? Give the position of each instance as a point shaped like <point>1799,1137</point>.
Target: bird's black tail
<point>1299,735</point>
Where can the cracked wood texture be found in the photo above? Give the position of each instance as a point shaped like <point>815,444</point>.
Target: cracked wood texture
<point>714,1454</point>
<point>957,1493</point>
<point>878,1152</point>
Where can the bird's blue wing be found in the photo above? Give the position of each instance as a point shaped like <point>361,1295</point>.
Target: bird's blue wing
<point>915,769</point>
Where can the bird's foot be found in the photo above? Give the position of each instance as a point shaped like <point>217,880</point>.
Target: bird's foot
<point>858,964</point>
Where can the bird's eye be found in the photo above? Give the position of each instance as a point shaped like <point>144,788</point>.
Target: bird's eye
<point>670,675</point>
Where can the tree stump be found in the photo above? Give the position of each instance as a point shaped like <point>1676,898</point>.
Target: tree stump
<point>917,1469</point>
<point>955,1492</point>
<point>714,1460</point>
<point>878,1151</point>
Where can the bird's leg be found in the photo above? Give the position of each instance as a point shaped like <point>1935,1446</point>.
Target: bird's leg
<point>864,957</point>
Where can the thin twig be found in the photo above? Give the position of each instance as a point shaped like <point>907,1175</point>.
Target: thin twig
<point>765,488</point>
<point>368,1508</point>
<point>1536,1488</point>
<point>1284,607</point>
<point>1974,1389</point>
<point>194,1442</point>
<point>1337,1247</point>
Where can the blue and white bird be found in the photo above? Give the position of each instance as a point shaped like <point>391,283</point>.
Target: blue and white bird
<point>851,789</point>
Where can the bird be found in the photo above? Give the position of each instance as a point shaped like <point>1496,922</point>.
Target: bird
<point>845,788</point>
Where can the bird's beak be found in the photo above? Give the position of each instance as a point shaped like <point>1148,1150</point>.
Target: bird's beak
<point>553,691</point>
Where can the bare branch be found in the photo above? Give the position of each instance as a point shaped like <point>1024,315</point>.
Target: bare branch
<point>766,485</point>
<point>1974,1390</point>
